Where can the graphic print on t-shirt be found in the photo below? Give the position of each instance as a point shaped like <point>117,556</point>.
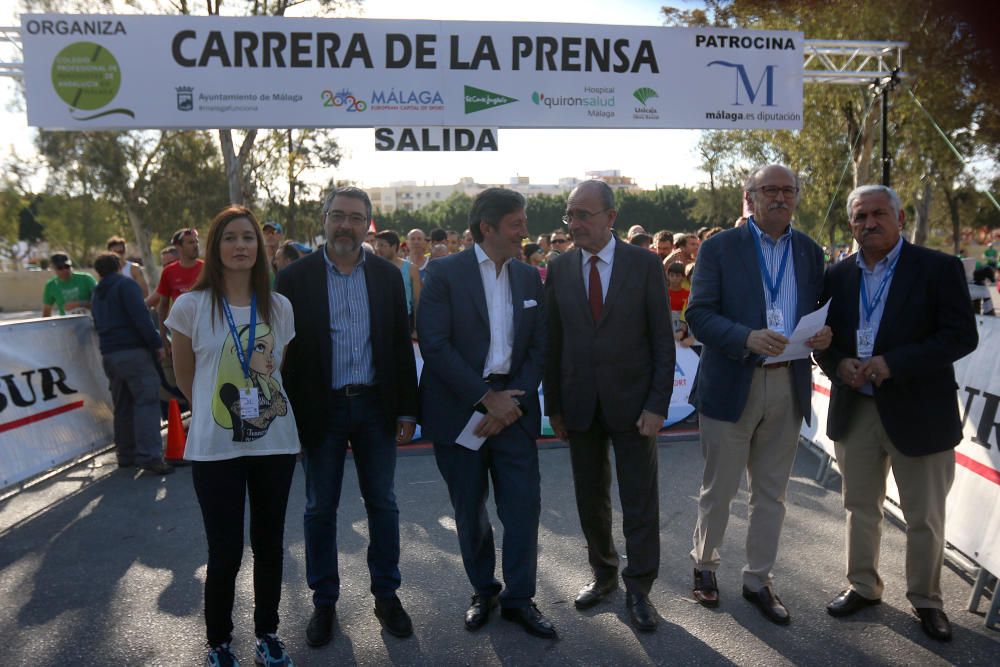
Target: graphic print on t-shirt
<point>230,379</point>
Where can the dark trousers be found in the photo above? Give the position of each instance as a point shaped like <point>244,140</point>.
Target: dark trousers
<point>636,465</point>
<point>358,419</point>
<point>135,387</point>
<point>222,488</point>
<point>510,459</point>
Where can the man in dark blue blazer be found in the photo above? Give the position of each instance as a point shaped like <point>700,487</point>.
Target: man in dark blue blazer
<point>901,315</point>
<point>481,324</point>
<point>751,285</point>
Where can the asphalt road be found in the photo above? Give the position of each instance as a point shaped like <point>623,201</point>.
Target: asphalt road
<point>105,567</point>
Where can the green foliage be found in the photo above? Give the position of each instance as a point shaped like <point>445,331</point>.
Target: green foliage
<point>79,225</point>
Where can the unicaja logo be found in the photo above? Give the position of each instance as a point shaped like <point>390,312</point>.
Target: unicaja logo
<point>644,94</point>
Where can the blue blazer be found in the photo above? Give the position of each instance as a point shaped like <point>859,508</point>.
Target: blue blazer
<point>727,303</point>
<point>454,330</point>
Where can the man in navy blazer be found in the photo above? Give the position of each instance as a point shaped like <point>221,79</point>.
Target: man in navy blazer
<point>481,324</point>
<point>351,377</point>
<point>901,315</point>
<point>751,285</point>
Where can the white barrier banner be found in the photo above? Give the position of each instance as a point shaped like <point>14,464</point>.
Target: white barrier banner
<point>973,523</point>
<point>87,72</point>
<point>54,399</point>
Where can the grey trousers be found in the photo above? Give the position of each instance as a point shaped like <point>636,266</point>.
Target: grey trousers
<point>135,392</point>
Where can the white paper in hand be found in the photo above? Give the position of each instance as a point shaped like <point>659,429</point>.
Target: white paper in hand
<point>468,438</point>
<point>808,327</point>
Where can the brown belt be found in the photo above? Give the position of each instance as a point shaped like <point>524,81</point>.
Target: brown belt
<point>780,364</point>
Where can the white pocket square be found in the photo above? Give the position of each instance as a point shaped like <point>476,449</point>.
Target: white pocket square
<point>530,303</point>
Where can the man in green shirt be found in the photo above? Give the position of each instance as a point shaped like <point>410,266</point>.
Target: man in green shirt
<point>69,290</point>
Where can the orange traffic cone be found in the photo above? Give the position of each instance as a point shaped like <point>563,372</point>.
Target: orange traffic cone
<point>176,439</point>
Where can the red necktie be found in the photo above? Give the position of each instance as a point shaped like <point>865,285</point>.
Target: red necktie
<point>594,290</point>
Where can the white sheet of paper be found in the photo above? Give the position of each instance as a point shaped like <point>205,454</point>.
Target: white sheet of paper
<point>468,438</point>
<point>808,327</point>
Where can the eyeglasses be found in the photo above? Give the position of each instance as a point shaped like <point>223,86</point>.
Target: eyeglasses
<point>559,241</point>
<point>582,216</point>
<point>772,191</point>
<point>339,217</point>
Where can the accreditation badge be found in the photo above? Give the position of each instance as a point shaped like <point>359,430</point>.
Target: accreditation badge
<point>775,320</point>
<point>866,342</point>
<point>249,405</point>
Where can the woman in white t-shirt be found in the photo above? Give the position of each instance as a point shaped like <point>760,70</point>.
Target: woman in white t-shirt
<point>229,336</point>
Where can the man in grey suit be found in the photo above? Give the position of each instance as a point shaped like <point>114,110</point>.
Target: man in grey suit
<point>751,285</point>
<point>608,376</point>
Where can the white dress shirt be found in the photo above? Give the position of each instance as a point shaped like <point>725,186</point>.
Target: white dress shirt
<point>606,259</point>
<point>500,308</point>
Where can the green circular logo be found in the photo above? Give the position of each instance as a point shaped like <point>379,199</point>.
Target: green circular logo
<point>86,76</point>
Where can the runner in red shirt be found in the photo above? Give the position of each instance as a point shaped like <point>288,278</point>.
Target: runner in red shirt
<point>178,277</point>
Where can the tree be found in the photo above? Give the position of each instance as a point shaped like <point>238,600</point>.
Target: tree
<point>279,162</point>
<point>169,169</point>
<point>79,225</point>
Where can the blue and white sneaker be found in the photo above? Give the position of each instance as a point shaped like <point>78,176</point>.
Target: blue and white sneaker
<point>271,652</point>
<point>221,656</point>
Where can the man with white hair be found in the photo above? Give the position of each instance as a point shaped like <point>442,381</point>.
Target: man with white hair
<point>751,285</point>
<point>901,316</point>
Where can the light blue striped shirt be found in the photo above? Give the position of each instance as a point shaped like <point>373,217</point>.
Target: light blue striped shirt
<point>872,279</point>
<point>788,296</point>
<point>350,324</point>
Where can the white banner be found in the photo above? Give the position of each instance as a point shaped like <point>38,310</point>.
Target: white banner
<point>54,399</point>
<point>973,524</point>
<point>86,72</point>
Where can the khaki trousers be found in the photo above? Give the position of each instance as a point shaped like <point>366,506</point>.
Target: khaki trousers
<point>762,443</point>
<point>865,456</point>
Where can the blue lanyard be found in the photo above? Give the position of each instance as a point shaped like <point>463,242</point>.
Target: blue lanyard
<point>772,287</point>
<point>244,357</point>
<point>877,299</point>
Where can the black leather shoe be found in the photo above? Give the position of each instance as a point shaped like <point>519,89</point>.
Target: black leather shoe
<point>393,617</point>
<point>594,592</point>
<point>769,605</point>
<point>705,590</point>
<point>848,602</point>
<point>319,632</point>
<point>479,611</point>
<point>531,620</point>
<point>642,611</point>
<point>935,623</point>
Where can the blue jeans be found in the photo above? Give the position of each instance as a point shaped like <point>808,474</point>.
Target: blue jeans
<point>357,419</point>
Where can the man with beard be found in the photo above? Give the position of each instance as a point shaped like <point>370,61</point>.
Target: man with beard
<point>350,376</point>
<point>751,285</point>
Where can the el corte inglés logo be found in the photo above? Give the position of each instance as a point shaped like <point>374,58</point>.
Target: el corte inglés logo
<point>477,99</point>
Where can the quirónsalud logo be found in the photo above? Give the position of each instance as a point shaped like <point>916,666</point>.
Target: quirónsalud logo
<point>643,94</point>
<point>477,99</point>
<point>86,76</point>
